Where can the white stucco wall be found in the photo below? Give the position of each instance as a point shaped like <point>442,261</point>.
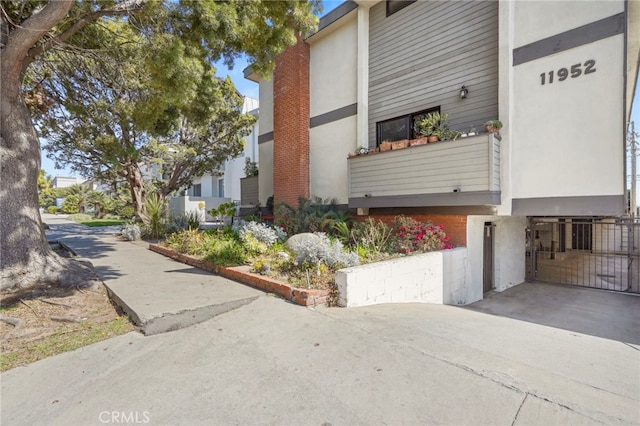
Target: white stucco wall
<point>567,137</point>
<point>333,67</point>
<point>536,20</point>
<point>208,185</point>
<point>266,105</point>
<point>234,168</point>
<point>509,252</point>
<point>265,149</point>
<point>437,277</point>
<point>329,146</point>
<point>265,177</point>
<point>333,85</point>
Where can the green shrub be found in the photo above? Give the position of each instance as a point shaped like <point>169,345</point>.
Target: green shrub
<point>189,241</point>
<point>79,217</point>
<point>52,210</point>
<point>372,235</point>
<point>311,215</point>
<point>70,205</point>
<point>125,211</point>
<point>226,252</point>
<point>156,218</point>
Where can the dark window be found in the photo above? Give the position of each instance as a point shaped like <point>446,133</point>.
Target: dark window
<point>395,5</point>
<point>399,128</point>
<point>196,190</point>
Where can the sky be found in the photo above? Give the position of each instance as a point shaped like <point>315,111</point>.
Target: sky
<point>249,88</point>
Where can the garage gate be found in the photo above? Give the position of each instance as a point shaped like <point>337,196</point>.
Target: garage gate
<point>601,253</point>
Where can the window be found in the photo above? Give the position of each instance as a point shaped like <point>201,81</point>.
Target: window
<point>220,187</point>
<point>196,190</point>
<point>400,128</point>
<point>395,5</point>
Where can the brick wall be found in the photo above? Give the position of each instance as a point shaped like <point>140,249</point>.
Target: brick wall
<point>291,124</point>
<point>455,226</point>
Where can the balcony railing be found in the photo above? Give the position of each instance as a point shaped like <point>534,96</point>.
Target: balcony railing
<point>465,172</point>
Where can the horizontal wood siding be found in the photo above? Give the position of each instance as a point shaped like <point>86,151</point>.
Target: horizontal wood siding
<point>422,55</point>
<point>495,150</point>
<point>249,191</point>
<point>469,164</point>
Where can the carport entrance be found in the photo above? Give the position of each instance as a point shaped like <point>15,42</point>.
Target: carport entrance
<point>599,253</point>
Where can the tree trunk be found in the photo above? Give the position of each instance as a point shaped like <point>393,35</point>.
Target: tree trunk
<point>136,186</point>
<point>25,256</point>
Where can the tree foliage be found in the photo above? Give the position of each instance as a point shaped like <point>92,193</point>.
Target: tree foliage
<point>189,35</point>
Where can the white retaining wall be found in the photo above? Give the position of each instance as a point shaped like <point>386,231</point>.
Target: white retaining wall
<point>437,277</point>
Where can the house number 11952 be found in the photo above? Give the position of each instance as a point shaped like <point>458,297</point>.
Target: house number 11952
<point>563,73</point>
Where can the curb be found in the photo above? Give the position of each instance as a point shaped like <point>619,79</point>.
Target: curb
<point>242,274</point>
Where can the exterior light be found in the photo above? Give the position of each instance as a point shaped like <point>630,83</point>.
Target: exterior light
<point>464,92</point>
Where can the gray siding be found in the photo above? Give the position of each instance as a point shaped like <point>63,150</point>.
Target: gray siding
<point>470,165</point>
<point>422,55</point>
<point>249,191</point>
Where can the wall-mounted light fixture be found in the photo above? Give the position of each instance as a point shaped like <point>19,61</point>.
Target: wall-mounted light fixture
<point>464,92</point>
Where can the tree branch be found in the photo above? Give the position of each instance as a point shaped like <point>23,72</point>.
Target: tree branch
<point>33,29</point>
<point>120,9</point>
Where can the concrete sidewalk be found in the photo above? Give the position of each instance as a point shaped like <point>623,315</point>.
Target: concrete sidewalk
<point>271,362</point>
<point>158,293</point>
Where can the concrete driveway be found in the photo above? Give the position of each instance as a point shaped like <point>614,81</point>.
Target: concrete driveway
<point>533,355</point>
<point>270,362</point>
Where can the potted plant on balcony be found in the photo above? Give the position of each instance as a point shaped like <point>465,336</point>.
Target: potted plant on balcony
<point>493,126</point>
<point>434,126</point>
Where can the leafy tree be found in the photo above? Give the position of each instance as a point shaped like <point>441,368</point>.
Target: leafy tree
<point>44,181</point>
<point>46,193</point>
<point>30,30</point>
<point>109,117</point>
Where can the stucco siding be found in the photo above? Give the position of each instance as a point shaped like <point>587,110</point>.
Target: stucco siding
<point>568,133</point>
<point>330,145</point>
<point>265,178</point>
<point>333,69</point>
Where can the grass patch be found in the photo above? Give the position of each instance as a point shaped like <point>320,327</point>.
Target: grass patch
<point>65,339</point>
<point>103,222</point>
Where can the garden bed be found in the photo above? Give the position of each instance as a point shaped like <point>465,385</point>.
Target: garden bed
<point>303,297</point>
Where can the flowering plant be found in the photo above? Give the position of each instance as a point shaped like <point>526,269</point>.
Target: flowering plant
<point>409,236</point>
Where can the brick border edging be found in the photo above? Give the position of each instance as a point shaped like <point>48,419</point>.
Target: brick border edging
<point>241,274</point>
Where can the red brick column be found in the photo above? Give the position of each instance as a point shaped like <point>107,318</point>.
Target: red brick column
<point>291,124</point>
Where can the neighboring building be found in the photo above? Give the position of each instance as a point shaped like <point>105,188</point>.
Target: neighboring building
<point>559,75</point>
<point>64,181</point>
<point>221,186</point>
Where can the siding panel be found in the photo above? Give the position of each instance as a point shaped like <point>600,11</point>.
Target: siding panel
<point>470,164</point>
<point>420,56</point>
<point>249,191</point>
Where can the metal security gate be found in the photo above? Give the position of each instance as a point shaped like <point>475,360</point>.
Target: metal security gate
<point>599,253</point>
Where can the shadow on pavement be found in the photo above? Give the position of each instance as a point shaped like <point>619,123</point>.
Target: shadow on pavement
<point>107,272</point>
<point>599,313</point>
<point>190,271</point>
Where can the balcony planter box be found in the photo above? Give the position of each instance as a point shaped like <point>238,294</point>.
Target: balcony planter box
<point>418,141</point>
<point>400,144</point>
<point>385,146</point>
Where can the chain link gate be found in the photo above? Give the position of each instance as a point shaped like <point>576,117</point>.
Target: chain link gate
<point>601,253</point>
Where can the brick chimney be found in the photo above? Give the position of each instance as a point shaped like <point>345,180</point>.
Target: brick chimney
<point>291,124</point>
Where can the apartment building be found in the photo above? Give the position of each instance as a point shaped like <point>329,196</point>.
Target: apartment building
<point>560,76</point>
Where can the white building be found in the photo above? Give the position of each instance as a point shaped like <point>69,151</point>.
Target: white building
<point>559,75</point>
<point>65,181</point>
<point>221,186</point>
